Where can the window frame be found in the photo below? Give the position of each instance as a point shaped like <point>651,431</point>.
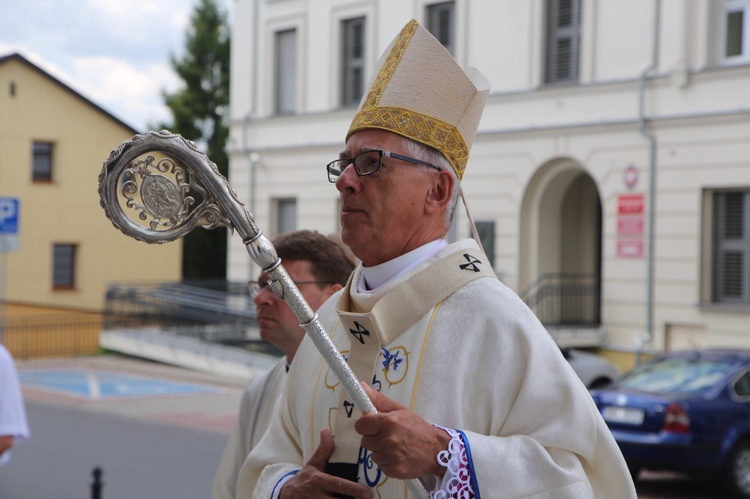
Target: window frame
<point>280,207</point>
<point>45,174</point>
<point>723,245</point>
<point>285,71</point>
<point>486,230</point>
<point>432,17</point>
<point>729,7</point>
<point>554,34</point>
<point>352,64</point>
<point>69,269</point>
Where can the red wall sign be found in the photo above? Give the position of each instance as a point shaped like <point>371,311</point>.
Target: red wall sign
<point>630,225</point>
<point>630,248</point>
<point>630,203</point>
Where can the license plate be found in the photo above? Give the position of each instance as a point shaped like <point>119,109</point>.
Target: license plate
<point>623,415</point>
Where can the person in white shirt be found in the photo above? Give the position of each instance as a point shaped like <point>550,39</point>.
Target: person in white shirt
<point>14,427</point>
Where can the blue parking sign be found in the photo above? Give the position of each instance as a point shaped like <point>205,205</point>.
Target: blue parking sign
<point>9,211</point>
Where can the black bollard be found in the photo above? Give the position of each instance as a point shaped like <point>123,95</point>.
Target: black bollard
<point>97,485</point>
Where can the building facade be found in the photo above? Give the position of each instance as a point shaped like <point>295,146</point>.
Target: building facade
<point>610,176</point>
<point>53,143</point>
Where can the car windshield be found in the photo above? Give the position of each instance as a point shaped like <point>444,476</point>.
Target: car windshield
<point>674,375</point>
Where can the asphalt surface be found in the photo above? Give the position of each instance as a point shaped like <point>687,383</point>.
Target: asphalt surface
<point>156,432</point>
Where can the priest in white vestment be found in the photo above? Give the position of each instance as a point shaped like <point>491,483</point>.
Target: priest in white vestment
<point>473,396</point>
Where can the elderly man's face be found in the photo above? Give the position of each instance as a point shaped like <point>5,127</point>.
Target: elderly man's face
<point>386,214</point>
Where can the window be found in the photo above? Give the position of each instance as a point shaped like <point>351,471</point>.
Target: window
<point>732,247</point>
<point>63,266</point>
<point>353,61</point>
<point>286,215</point>
<point>486,232</point>
<point>286,72</point>
<point>563,38</point>
<point>440,22</point>
<point>742,386</point>
<point>736,31</point>
<point>41,166</point>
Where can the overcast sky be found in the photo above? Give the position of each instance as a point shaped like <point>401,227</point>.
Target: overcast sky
<point>113,52</point>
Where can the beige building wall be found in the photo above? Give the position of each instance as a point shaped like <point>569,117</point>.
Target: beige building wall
<point>36,107</point>
<point>545,154</point>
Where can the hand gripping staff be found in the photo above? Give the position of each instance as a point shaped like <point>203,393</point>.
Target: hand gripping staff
<point>157,187</point>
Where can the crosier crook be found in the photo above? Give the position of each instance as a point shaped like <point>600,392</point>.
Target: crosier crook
<point>158,186</point>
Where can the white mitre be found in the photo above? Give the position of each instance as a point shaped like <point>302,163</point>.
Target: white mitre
<point>420,92</point>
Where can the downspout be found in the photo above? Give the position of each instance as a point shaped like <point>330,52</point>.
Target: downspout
<point>252,156</point>
<point>649,336</point>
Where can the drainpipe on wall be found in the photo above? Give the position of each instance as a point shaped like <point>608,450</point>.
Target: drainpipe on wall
<point>649,336</point>
<point>253,157</point>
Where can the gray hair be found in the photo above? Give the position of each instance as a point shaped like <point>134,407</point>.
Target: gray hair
<point>426,153</point>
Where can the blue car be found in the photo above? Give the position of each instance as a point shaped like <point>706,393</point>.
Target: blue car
<point>685,411</point>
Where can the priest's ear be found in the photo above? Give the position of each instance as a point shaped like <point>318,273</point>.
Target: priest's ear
<point>441,192</point>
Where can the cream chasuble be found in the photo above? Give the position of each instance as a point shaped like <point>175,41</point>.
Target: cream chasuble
<point>476,360</point>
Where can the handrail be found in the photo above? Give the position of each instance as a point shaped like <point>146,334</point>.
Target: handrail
<point>546,276</point>
<point>565,299</point>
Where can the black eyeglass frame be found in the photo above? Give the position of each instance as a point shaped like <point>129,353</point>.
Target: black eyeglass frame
<point>255,287</point>
<point>334,174</point>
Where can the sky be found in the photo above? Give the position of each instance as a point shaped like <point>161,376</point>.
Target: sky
<point>113,52</point>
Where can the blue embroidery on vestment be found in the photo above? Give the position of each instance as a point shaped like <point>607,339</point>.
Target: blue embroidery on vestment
<point>389,358</point>
<point>371,470</point>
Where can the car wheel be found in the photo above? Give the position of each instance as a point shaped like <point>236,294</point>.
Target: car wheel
<point>737,472</point>
<point>634,472</point>
<point>599,383</point>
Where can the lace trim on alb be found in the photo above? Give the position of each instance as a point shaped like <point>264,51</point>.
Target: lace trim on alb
<point>456,483</point>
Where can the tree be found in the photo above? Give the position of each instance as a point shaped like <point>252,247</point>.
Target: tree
<point>199,111</point>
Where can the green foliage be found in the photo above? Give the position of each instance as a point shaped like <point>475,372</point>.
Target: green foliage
<point>199,111</point>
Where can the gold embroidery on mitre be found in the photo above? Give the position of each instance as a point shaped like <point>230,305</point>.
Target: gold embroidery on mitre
<point>390,65</point>
<point>417,126</point>
<point>425,129</point>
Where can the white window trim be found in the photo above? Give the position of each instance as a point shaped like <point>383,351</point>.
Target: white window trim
<point>294,72</point>
<point>277,215</point>
<point>371,52</point>
<point>734,6</point>
<point>266,78</point>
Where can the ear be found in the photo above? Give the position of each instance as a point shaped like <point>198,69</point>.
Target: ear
<point>333,288</point>
<point>440,193</point>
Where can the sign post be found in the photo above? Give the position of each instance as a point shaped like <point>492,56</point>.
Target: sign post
<point>9,211</point>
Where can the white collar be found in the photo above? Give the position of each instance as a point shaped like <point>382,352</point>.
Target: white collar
<point>374,277</point>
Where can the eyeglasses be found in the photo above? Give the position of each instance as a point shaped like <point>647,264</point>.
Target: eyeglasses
<point>367,163</point>
<point>255,287</point>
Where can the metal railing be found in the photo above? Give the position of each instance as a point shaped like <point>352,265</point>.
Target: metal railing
<point>221,314</point>
<point>52,335</point>
<point>214,311</point>
<point>565,299</point>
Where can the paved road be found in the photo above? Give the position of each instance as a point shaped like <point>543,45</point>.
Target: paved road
<point>157,431</point>
<point>140,459</point>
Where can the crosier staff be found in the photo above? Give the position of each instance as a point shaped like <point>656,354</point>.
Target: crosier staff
<point>158,186</point>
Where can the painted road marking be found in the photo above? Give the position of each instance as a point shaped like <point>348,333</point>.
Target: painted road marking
<point>103,385</point>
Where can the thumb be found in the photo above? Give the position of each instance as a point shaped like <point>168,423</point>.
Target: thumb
<point>323,453</point>
<point>381,402</point>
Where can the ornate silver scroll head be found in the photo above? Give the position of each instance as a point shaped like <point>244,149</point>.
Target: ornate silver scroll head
<point>158,186</point>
